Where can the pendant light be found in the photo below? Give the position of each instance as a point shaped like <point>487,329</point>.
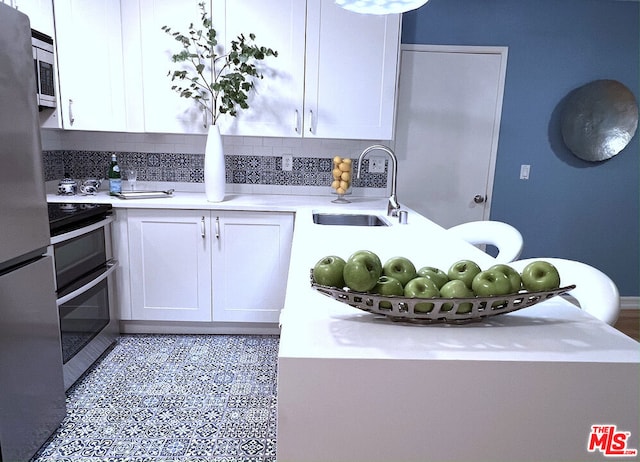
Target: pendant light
<point>380,6</point>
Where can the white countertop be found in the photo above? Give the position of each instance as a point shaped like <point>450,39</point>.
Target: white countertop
<point>315,326</point>
<point>250,202</point>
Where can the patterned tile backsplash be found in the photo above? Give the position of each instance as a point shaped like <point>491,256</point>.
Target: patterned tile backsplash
<point>188,168</point>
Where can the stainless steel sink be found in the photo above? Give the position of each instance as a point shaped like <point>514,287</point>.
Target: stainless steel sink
<point>346,219</point>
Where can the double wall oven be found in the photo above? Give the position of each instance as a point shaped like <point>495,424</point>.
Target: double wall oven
<point>85,283</point>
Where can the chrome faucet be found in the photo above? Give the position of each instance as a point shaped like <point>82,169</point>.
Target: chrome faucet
<point>393,207</point>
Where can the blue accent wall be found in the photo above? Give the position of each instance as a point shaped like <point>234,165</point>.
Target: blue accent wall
<point>568,208</point>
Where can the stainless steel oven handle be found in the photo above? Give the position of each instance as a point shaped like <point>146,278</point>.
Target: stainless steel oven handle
<point>111,267</point>
<point>81,231</point>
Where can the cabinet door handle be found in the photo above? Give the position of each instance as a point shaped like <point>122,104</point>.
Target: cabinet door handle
<point>217,227</point>
<point>310,121</point>
<point>297,122</point>
<point>71,118</point>
<point>202,228</point>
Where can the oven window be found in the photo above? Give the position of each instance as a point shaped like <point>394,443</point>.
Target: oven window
<point>77,257</point>
<point>82,318</point>
<point>46,79</point>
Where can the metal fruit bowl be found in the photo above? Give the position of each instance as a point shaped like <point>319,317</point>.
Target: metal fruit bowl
<point>440,310</point>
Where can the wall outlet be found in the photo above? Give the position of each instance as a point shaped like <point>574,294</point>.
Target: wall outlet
<point>524,171</point>
<point>376,164</point>
<point>287,163</point>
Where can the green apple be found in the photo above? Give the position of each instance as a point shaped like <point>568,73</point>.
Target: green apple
<point>512,274</point>
<point>369,256</point>
<point>328,271</point>
<point>465,270</point>
<point>421,287</point>
<point>456,289</point>
<point>489,283</point>
<point>435,274</point>
<point>388,286</point>
<point>400,268</point>
<point>361,274</point>
<point>540,276</point>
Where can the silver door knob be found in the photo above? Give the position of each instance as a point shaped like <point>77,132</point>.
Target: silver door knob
<point>478,199</point>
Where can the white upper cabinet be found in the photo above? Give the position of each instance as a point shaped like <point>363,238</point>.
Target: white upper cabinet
<point>335,74</point>
<point>334,77</point>
<point>154,106</point>
<point>40,14</point>
<point>276,107</point>
<point>351,73</point>
<point>90,67</point>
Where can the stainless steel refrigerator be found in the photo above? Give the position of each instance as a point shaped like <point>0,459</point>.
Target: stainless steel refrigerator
<point>32,396</point>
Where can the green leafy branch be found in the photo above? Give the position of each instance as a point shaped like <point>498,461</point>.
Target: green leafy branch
<point>219,82</point>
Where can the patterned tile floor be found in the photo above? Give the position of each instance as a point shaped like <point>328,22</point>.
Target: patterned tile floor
<point>161,398</point>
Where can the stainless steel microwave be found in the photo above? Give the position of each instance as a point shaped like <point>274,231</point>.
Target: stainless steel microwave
<point>43,60</point>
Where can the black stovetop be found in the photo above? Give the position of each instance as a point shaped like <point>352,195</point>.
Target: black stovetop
<point>64,217</point>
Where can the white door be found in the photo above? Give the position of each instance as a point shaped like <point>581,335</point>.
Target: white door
<point>448,122</point>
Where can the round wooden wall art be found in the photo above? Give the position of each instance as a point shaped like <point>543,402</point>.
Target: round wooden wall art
<point>599,119</point>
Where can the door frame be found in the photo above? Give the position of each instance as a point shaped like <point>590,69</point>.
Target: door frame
<point>501,51</point>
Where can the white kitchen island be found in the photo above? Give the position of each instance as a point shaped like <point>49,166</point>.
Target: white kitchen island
<point>522,386</point>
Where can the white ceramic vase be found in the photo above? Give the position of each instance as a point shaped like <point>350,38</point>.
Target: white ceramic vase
<point>214,169</point>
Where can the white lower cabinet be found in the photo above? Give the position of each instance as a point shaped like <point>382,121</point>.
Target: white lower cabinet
<point>169,265</point>
<point>208,266</point>
<point>250,265</point>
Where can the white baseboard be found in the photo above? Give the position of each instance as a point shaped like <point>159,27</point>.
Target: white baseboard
<point>230,328</point>
<point>630,303</point>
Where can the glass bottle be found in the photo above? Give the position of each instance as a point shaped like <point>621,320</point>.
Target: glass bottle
<point>115,178</point>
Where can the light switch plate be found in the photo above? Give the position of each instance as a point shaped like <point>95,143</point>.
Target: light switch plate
<point>524,171</point>
<point>287,163</point>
